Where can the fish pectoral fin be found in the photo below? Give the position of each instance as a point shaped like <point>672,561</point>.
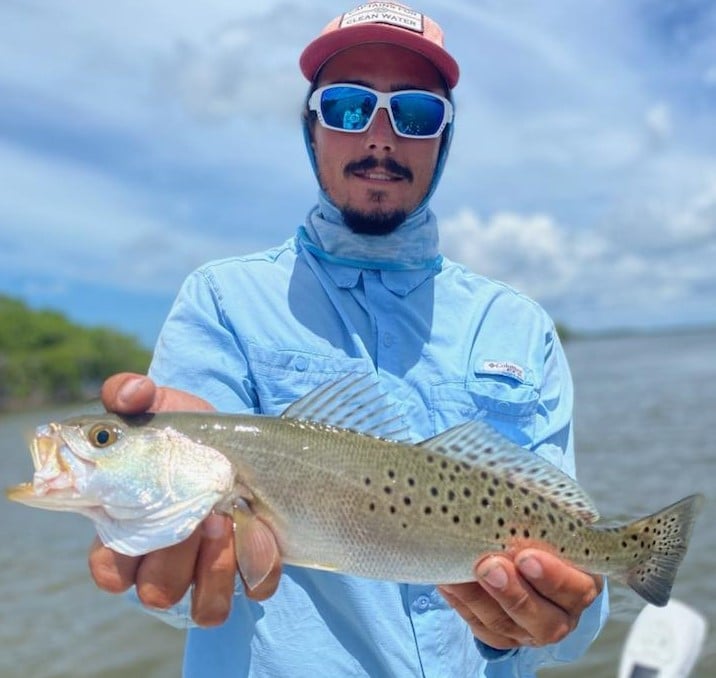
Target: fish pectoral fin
<point>479,445</point>
<point>256,547</point>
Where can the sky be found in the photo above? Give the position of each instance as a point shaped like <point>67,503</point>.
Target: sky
<point>140,139</point>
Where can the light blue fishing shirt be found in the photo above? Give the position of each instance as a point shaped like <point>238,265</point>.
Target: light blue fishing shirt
<point>255,333</point>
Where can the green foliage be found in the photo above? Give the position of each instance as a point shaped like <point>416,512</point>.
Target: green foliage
<point>46,358</point>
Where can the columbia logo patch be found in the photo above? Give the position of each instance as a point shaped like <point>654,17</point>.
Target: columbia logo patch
<point>384,13</point>
<point>505,368</point>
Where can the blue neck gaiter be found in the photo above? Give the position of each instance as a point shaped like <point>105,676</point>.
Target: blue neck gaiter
<point>412,246</point>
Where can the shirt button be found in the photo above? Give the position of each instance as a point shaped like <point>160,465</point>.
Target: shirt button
<point>388,340</point>
<point>422,603</point>
<point>301,363</point>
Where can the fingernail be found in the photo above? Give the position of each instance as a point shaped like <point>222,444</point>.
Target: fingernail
<point>126,394</point>
<point>530,567</point>
<point>494,575</point>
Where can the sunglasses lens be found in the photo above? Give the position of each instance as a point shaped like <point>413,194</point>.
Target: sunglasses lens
<point>347,108</point>
<point>417,114</point>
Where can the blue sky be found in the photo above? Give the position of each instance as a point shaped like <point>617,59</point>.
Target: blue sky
<point>140,139</point>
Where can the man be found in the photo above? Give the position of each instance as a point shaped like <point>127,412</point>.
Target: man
<point>363,288</point>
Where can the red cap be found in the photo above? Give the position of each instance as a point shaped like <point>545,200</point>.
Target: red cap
<point>388,22</point>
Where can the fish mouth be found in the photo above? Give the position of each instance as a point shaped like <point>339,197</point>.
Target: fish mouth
<point>54,482</point>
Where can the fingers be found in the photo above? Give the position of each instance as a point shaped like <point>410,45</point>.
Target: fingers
<point>112,572</point>
<point>524,613</point>
<point>537,599</point>
<point>164,576</point>
<point>257,554</point>
<point>571,589</point>
<point>215,572</point>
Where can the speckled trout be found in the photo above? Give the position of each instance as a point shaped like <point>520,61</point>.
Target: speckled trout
<point>343,489</point>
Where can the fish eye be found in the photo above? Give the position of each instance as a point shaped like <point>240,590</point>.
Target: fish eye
<point>102,435</point>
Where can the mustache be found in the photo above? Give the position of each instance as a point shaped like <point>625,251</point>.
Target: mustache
<point>369,163</point>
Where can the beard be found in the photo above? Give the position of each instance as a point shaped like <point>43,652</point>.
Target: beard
<point>372,223</point>
<point>377,221</point>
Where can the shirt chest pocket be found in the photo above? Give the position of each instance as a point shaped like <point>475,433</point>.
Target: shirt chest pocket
<point>282,376</point>
<point>506,403</point>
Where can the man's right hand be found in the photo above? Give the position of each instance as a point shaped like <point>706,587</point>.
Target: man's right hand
<point>208,557</point>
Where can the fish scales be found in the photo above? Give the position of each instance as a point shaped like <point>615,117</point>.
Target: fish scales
<point>338,499</point>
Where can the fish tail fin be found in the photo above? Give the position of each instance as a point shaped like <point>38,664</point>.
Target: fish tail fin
<point>664,536</point>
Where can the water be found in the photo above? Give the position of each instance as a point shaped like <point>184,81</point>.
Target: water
<point>644,405</point>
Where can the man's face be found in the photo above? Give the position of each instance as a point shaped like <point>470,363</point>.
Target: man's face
<point>376,178</point>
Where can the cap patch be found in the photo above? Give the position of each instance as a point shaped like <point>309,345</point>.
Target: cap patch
<point>389,13</point>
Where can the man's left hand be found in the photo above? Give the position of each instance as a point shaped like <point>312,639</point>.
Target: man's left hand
<point>531,598</point>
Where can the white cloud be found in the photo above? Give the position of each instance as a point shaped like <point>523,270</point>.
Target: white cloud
<point>658,123</point>
<point>529,252</point>
<point>87,227</point>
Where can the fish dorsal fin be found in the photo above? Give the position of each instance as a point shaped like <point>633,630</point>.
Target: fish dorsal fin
<point>480,446</point>
<point>355,402</point>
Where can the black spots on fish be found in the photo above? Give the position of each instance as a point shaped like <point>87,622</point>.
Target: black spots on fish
<point>451,495</point>
<point>526,511</point>
<point>456,519</point>
<point>392,509</point>
<point>434,491</point>
<point>624,544</point>
<point>404,525</point>
<point>430,459</point>
<point>508,502</point>
<point>444,508</point>
<point>587,552</point>
<point>391,474</point>
<point>371,506</point>
<point>367,481</point>
<point>477,520</point>
<point>543,534</point>
<point>501,522</point>
<point>571,526</point>
<point>485,502</point>
<point>510,485</point>
<point>484,475</point>
<point>513,531</point>
<point>551,518</point>
<point>428,510</point>
<point>407,501</point>
<point>526,533</point>
<point>491,491</point>
<point>388,489</point>
<point>524,491</point>
<point>411,482</point>
<point>466,492</point>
